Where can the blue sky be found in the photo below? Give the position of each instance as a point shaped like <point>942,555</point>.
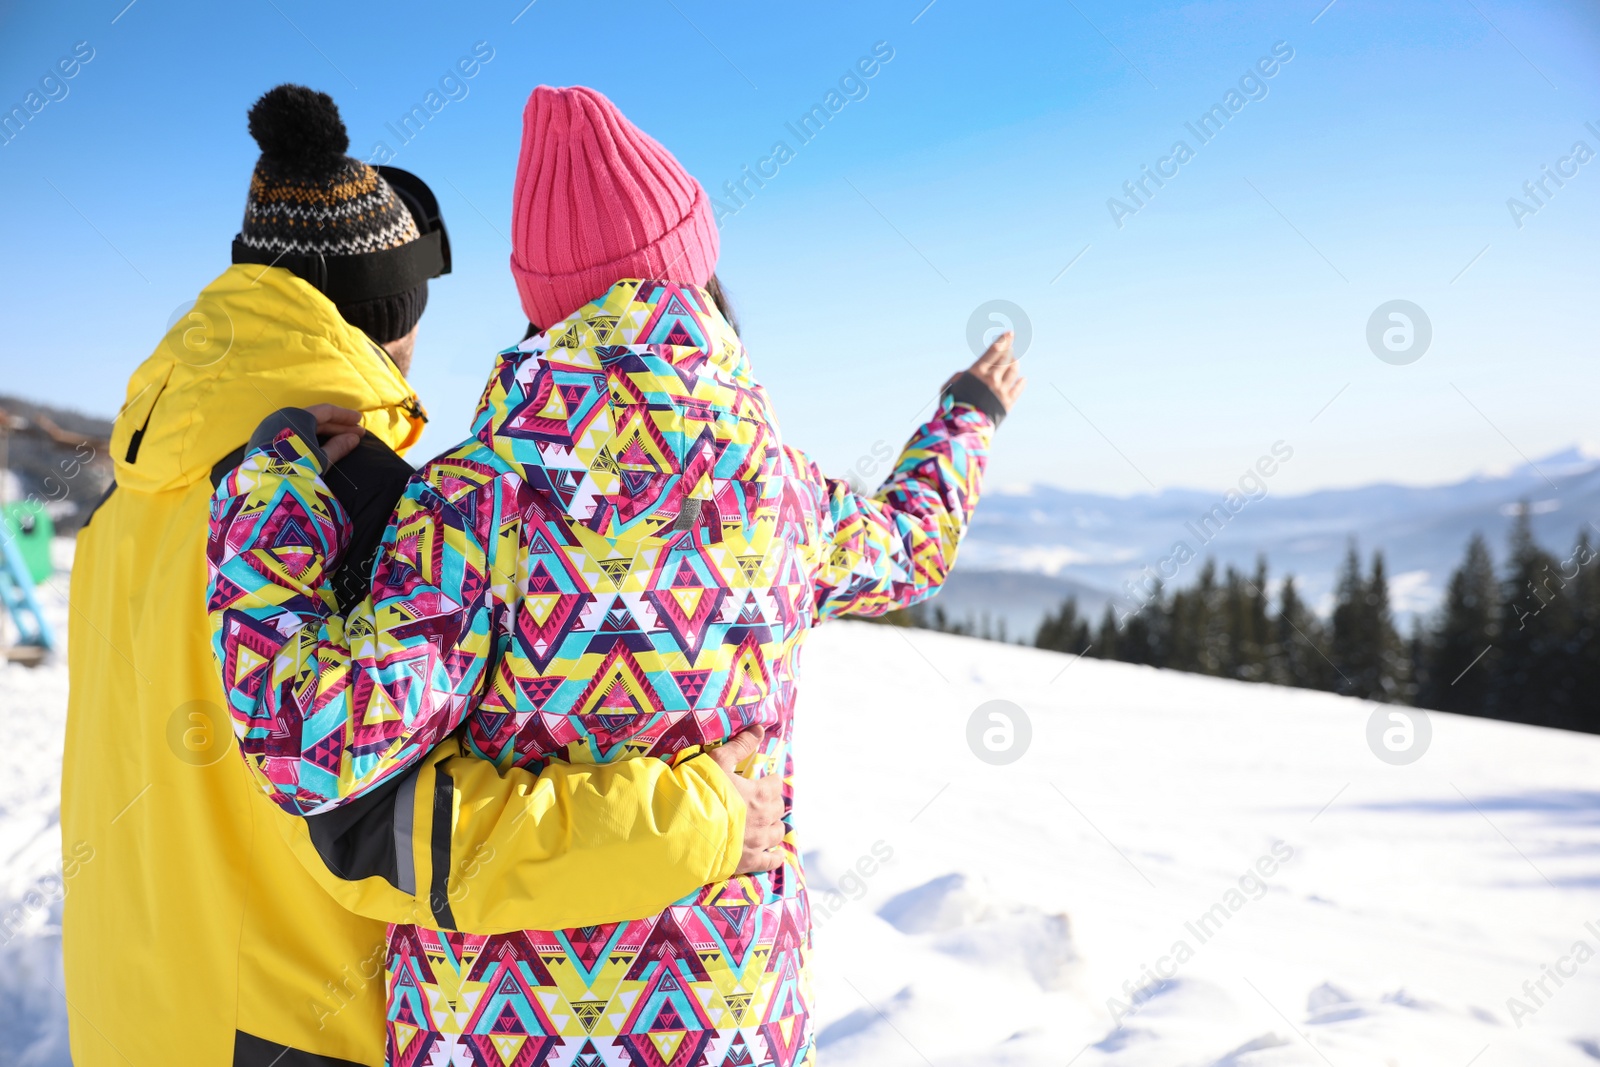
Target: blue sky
<point>1227,312</point>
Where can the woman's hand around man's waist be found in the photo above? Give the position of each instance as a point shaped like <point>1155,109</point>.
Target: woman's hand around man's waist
<point>763,798</point>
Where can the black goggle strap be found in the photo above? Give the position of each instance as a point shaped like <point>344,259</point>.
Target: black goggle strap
<point>357,278</point>
<point>423,205</point>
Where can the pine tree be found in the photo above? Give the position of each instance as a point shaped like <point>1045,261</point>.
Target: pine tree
<point>1063,630</point>
<point>1185,621</point>
<point>1202,620</point>
<point>1394,679</point>
<point>1106,641</point>
<point>1298,642</point>
<point>1350,638</point>
<point>1461,659</point>
<point>1534,683</point>
<point>1234,634</point>
<point>1133,639</point>
<point>1260,622</point>
<point>1366,649</point>
<point>1245,615</point>
<point>1583,646</point>
<point>1156,624</point>
<point>1416,653</point>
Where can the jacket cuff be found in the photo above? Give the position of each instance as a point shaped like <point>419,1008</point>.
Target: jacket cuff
<point>732,803</point>
<point>969,389</point>
<point>299,420</point>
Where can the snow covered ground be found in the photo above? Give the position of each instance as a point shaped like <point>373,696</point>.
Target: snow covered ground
<point>33,709</point>
<point>1415,900</point>
<point>1176,871</point>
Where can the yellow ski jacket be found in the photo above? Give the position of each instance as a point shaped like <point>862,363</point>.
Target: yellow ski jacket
<point>194,932</point>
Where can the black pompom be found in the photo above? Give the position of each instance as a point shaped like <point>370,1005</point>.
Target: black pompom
<point>298,126</point>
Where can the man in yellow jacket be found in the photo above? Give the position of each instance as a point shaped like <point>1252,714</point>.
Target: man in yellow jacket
<point>193,931</point>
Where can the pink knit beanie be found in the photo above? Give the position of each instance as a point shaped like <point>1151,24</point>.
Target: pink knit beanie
<point>598,200</point>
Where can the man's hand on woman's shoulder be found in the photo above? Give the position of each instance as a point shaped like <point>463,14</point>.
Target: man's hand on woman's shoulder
<point>339,429</point>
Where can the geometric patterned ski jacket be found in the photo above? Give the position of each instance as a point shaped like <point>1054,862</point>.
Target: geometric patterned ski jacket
<point>622,561</point>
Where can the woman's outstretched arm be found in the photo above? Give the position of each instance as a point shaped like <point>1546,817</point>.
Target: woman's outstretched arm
<point>875,553</point>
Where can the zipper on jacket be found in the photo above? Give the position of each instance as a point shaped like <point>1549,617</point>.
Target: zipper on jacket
<point>410,405</point>
<point>137,437</point>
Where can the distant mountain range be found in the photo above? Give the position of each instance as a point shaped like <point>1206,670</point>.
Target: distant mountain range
<point>1029,549</point>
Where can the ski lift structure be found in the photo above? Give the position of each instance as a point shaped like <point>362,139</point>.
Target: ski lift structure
<point>26,531</point>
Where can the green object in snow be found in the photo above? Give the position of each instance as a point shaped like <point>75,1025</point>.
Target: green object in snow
<point>30,527</point>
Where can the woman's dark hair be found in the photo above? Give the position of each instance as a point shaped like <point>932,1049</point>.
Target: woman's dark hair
<point>719,296</point>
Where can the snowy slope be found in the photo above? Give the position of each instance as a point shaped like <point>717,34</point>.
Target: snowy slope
<point>1417,900</point>
<point>977,914</point>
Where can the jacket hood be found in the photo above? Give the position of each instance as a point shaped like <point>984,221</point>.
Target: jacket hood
<point>638,413</point>
<point>257,339</point>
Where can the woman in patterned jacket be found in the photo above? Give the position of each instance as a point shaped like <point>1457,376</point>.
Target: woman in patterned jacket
<point>621,562</point>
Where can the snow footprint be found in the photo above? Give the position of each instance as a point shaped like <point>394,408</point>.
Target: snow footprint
<point>961,916</point>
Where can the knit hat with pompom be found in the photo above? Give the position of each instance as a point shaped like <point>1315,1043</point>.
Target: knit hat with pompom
<point>308,197</point>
